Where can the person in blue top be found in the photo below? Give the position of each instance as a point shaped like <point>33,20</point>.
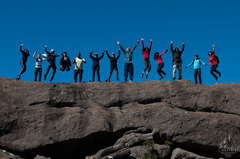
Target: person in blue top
<point>128,67</point>
<point>95,66</point>
<point>197,68</point>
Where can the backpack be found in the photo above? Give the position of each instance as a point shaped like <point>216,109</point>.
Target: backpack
<point>216,59</point>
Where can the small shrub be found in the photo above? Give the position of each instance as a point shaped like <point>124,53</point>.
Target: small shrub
<point>153,153</point>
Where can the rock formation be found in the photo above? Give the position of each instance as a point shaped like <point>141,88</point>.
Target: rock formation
<point>76,120</point>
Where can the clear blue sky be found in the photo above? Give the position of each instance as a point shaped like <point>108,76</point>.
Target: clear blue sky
<point>84,25</point>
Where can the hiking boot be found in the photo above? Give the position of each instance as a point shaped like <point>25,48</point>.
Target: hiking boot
<point>18,77</point>
<point>51,79</point>
<point>220,74</point>
<point>180,78</point>
<point>146,75</point>
<point>161,77</point>
<point>142,74</point>
<point>174,78</point>
<point>216,78</point>
<point>45,78</point>
<point>117,79</point>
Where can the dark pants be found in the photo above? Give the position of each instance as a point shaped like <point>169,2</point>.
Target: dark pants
<point>95,68</point>
<point>128,68</point>
<point>159,69</point>
<point>147,65</point>
<point>76,72</point>
<point>38,71</point>
<point>53,66</point>
<point>65,67</point>
<point>214,69</point>
<point>197,72</point>
<point>24,67</point>
<point>113,67</point>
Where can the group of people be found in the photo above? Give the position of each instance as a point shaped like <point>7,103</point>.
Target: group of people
<point>65,63</point>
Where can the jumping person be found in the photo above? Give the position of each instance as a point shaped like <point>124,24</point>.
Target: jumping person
<point>113,65</point>
<point>51,63</point>
<point>38,66</point>
<point>96,66</point>
<point>146,55</point>
<point>25,54</point>
<point>197,68</point>
<point>128,67</point>
<point>160,64</point>
<point>78,61</point>
<point>177,60</point>
<point>65,62</point>
<point>214,62</point>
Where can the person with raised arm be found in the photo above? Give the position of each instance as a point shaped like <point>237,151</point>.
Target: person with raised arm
<point>113,63</point>
<point>65,62</point>
<point>213,60</point>
<point>51,63</point>
<point>25,54</point>
<point>96,66</point>
<point>197,68</point>
<point>177,60</point>
<point>158,57</point>
<point>146,55</point>
<point>38,66</point>
<point>78,61</point>
<point>128,67</point>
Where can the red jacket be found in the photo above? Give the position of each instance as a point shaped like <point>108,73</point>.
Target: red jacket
<point>212,59</point>
<point>146,54</point>
<point>159,59</point>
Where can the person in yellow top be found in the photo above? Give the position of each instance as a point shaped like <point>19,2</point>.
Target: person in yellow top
<point>78,61</point>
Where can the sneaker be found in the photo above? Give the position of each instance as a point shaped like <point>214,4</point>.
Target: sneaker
<point>51,79</point>
<point>174,78</point>
<point>161,77</point>
<point>142,74</point>
<point>125,81</point>
<point>180,78</point>
<point>18,77</point>
<point>130,80</point>
<point>164,75</point>
<point>117,79</point>
<point>45,78</point>
<point>220,74</point>
<point>146,75</point>
<point>216,78</point>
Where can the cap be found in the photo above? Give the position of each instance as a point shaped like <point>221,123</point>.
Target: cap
<point>196,54</point>
<point>96,53</point>
<point>52,50</point>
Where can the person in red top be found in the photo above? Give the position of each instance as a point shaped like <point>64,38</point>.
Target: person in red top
<point>213,62</point>
<point>146,55</point>
<point>160,63</point>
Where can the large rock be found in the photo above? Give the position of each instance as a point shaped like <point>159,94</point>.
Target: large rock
<point>75,120</point>
<point>179,154</point>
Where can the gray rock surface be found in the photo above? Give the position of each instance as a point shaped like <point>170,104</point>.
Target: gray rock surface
<point>75,120</point>
<point>182,154</point>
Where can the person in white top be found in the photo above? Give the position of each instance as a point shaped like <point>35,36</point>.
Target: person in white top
<point>38,66</point>
<point>78,61</point>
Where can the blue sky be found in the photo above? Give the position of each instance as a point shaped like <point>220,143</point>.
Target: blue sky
<point>81,26</point>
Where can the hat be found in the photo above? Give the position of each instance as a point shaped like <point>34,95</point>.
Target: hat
<point>113,53</point>
<point>96,53</point>
<point>196,54</point>
<point>52,50</point>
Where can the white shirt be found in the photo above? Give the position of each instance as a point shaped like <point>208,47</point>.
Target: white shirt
<point>79,63</point>
<point>38,61</point>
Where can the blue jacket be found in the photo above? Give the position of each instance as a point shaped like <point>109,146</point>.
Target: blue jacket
<point>197,63</point>
<point>128,54</point>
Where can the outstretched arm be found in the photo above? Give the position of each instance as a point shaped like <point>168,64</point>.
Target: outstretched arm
<point>108,54</point>
<point>121,47</point>
<point>46,50</point>
<point>164,52</point>
<point>135,46</point>
<point>118,53</point>
<point>21,47</point>
<point>171,46</point>
<point>142,43</point>
<point>213,52</point>
<point>202,62</point>
<point>182,47</point>
<point>102,54</point>
<point>34,55</point>
<point>189,64</point>
<point>150,45</point>
<point>91,54</point>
